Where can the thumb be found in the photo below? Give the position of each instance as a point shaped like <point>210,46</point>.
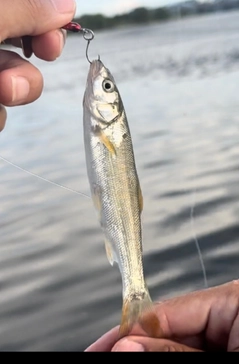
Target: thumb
<point>33,17</point>
<point>136,343</point>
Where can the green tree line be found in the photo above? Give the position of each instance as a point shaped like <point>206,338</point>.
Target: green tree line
<point>144,15</point>
<point>137,16</point>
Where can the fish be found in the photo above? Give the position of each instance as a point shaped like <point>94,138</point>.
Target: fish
<point>116,193</point>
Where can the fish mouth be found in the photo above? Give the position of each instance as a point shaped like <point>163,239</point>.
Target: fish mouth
<point>95,69</point>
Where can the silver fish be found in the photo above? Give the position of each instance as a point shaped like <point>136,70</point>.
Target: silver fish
<point>116,192</point>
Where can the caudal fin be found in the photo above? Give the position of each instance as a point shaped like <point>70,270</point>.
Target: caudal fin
<point>139,310</point>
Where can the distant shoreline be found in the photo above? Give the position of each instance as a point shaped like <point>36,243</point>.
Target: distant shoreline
<point>143,15</point>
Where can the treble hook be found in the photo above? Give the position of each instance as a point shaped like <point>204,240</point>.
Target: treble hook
<point>88,35</point>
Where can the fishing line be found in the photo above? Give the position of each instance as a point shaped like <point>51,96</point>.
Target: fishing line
<point>196,239</point>
<point>42,178</point>
<point>193,196</point>
<point>192,220</point>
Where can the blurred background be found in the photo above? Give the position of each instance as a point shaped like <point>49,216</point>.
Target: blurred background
<point>177,67</point>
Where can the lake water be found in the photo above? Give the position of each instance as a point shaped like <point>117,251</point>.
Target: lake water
<point>179,82</point>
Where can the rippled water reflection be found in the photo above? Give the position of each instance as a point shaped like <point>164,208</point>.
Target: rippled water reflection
<point>179,82</point>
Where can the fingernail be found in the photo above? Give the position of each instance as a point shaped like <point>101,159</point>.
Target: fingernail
<point>64,6</point>
<point>128,345</point>
<point>20,89</point>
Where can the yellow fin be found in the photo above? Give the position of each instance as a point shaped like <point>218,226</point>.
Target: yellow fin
<point>107,143</point>
<point>141,200</point>
<point>139,311</point>
<point>105,140</point>
<point>109,252</point>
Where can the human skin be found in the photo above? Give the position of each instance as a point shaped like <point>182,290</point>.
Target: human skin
<point>20,81</point>
<point>206,320</point>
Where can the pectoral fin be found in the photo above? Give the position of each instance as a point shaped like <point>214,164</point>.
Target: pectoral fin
<point>105,140</point>
<point>107,143</point>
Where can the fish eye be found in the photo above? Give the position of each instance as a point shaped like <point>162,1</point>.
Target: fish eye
<point>108,86</point>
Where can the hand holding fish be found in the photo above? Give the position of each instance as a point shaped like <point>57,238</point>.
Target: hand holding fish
<point>206,320</point>
<point>20,81</point>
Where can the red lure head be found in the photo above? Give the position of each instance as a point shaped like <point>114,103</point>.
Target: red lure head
<point>73,27</point>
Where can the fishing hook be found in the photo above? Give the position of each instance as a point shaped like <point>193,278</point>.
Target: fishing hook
<point>25,42</point>
<point>88,35</point>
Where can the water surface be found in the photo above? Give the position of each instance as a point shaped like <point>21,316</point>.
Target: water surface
<point>179,83</point>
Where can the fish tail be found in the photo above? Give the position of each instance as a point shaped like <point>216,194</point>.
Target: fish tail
<point>139,309</point>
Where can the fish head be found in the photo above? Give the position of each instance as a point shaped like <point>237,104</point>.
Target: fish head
<point>102,97</point>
